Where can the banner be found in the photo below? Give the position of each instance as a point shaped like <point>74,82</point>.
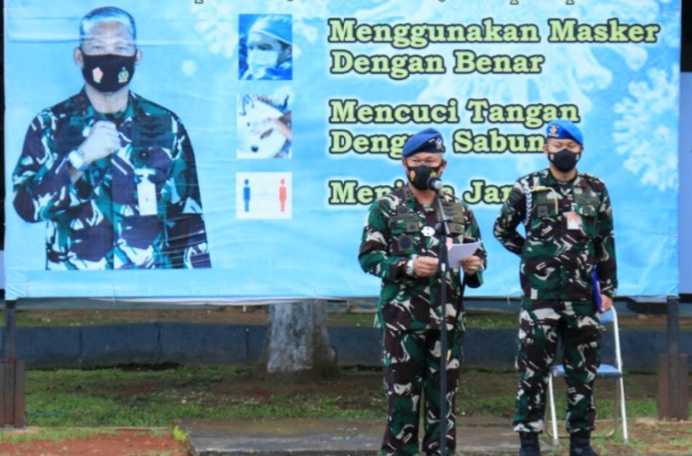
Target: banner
<point>258,133</point>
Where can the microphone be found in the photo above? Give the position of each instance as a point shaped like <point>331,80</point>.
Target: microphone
<point>435,183</point>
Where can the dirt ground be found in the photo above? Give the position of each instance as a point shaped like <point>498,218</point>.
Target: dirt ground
<point>115,442</point>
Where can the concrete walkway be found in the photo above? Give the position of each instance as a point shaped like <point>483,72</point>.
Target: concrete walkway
<point>330,437</point>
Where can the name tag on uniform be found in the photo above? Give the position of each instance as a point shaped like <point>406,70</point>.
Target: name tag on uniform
<point>573,221</point>
<point>146,193</point>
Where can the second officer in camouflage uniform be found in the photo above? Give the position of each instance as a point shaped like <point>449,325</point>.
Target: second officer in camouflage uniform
<point>400,245</point>
<point>569,233</point>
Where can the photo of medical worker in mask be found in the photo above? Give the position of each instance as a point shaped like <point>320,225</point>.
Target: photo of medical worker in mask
<point>266,47</point>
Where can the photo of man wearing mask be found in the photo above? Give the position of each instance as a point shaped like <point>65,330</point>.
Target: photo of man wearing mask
<point>111,173</point>
<point>266,50</point>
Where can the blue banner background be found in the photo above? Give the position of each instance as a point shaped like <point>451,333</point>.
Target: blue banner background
<point>627,95</point>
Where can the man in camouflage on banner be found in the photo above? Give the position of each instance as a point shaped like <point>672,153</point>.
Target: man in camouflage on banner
<point>401,245</point>
<point>568,252</point>
<point>112,174</point>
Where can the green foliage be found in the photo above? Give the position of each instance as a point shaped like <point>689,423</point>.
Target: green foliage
<point>54,434</point>
<point>179,434</point>
<point>144,397</point>
<point>158,397</point>
<point>492,320</point>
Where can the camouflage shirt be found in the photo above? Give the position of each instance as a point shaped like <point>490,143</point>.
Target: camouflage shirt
<point>97,222</point>
<point>398,229</point>
<point>569,231</point>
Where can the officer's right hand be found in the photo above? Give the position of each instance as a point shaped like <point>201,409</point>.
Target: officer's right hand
<point>103,139</point>
<point>425,266</point>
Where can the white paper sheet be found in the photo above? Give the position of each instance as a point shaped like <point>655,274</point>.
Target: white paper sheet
<point>458,252</point>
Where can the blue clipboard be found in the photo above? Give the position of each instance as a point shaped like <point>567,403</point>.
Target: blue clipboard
<point>598,304</point>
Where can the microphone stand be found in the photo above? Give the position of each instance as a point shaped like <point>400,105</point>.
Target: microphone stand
<point>443,269</point>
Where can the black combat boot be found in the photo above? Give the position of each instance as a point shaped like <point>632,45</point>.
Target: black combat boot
<point>580,444</point>
<point>529,444</point>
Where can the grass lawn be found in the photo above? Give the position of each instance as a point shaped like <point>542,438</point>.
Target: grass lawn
<point>155,398</point>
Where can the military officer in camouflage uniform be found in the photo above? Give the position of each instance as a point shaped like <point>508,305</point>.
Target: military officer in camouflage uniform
<point>569,235</point>
<point>112,174</point>
<point>401,246</point>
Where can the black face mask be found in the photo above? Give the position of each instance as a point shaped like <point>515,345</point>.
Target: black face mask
<point>564,160</point>
<point>420,176</point>
<point>108,73</point>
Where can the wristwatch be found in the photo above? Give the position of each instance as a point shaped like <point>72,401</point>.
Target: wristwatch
<point>76,160</point>
<point>409,269</point>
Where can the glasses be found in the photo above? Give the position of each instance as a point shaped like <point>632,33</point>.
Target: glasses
<point>430,163</point>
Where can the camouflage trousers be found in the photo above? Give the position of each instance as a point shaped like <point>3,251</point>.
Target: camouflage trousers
<point>541,324</point>
<point>411,361</point>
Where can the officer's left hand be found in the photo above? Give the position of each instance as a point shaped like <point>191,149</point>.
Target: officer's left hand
<point>471,264</point>
<point>606,303</point>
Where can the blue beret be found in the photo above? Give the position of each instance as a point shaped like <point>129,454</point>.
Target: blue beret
<point>278,26</point>
<point>428,140</point>
<point>564,129</point>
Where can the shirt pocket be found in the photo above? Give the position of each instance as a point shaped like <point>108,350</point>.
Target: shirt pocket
<point>544,216</point>
<point>405,231</point>
<point>586,206</point>
<point>456,229</point>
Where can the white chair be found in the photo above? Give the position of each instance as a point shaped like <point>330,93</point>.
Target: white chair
<point>605,371</point>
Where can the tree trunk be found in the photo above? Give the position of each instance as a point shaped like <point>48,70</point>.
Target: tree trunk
<point>297,340</point>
